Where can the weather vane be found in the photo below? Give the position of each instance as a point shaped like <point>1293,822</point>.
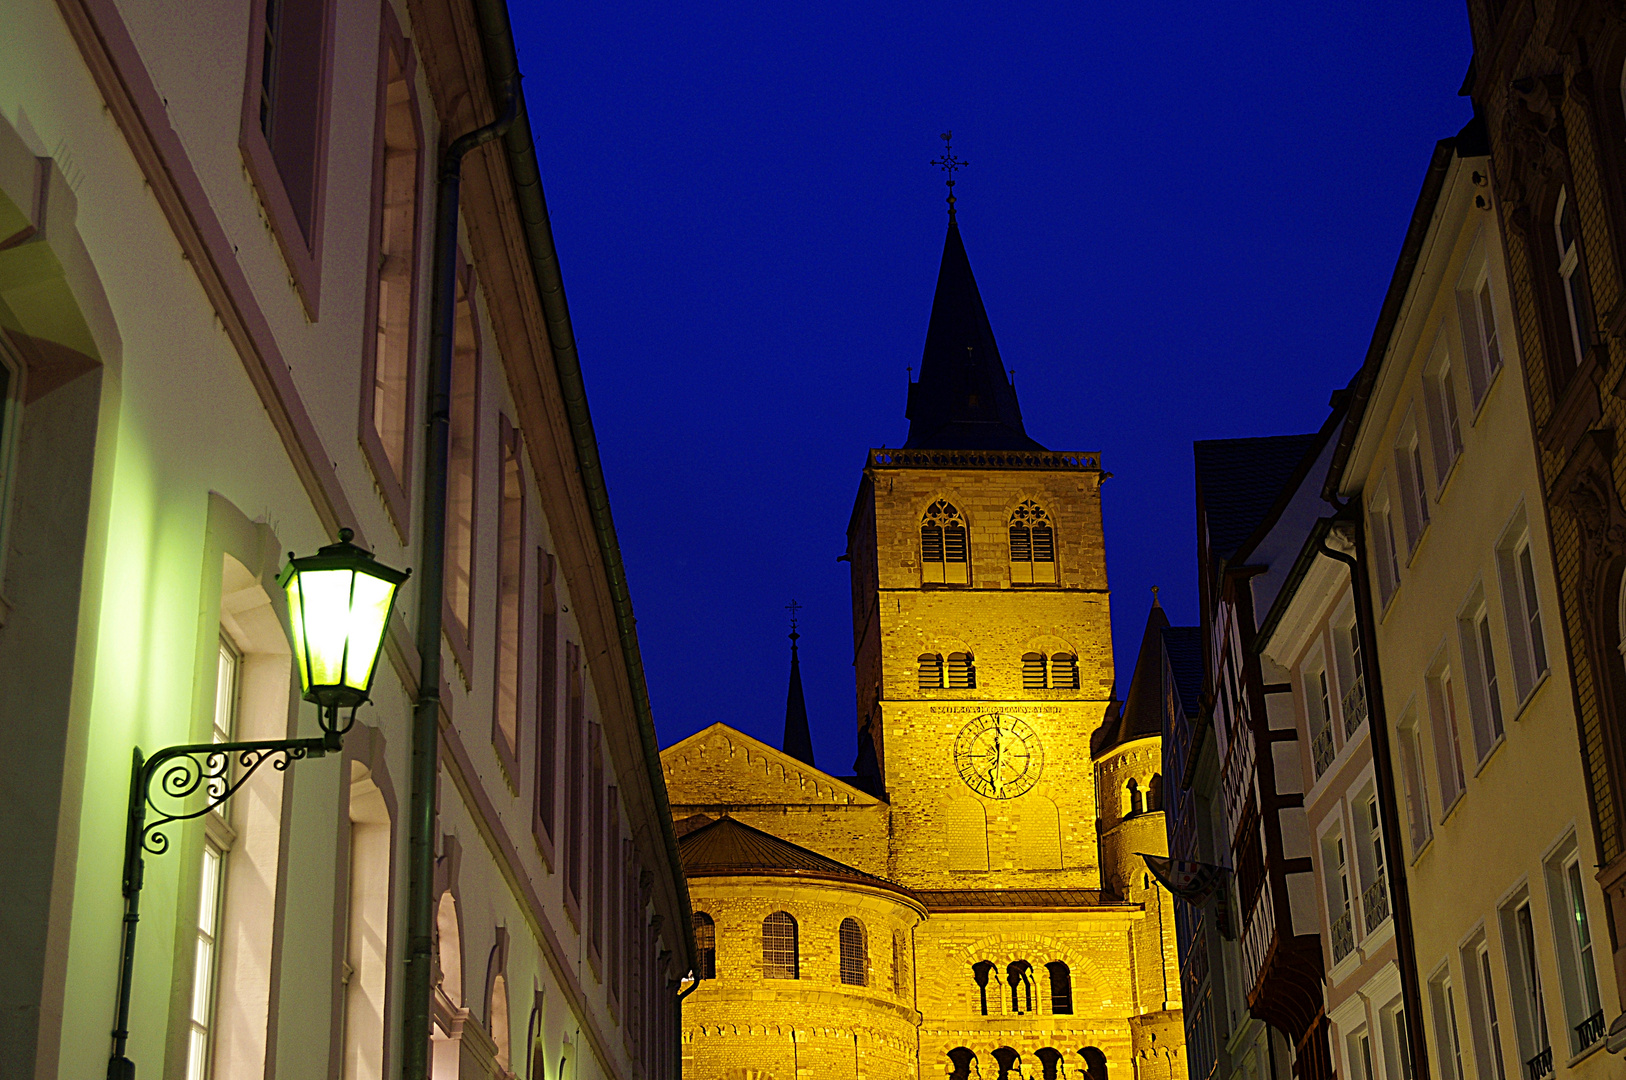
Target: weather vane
<point>793,607</point>
<point>949,164</point>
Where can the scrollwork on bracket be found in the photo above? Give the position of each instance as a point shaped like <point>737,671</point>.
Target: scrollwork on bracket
<point>171,778</point>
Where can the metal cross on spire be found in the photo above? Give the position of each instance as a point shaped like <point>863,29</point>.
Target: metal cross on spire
<point>950,165</point>
<point>794,608</point>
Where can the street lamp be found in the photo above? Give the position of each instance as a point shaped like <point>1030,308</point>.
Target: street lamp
<point>339,604</point>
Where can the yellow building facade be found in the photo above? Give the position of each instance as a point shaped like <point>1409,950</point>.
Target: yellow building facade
<point>972,902</point>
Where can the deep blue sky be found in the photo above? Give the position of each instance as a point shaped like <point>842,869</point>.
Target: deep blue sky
<point>1182,217</point>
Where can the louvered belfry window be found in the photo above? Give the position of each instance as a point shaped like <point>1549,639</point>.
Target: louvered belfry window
<point>931,672</point>
<point>1064,671</point>
<point>943,547</point>
<point>854,955</point>
<point>1033,545</point>
<point>962,672</point>
<point>1033,671</point>
<point>779,957</point>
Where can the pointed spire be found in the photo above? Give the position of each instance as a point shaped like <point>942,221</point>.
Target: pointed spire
<point>1143,707</point>
<point>963,400</point>
<point>798,740</point>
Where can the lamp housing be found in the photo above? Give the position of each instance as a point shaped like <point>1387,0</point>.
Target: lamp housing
<point>339,605</point>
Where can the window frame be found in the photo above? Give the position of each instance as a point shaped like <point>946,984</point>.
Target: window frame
<point>945,517</point>
<point>778,963</point>
<point>1521,950</point>
<point>1445,731</point>
<point>1572,269</point>
<point>852,939</point>
<point>1381,534</point>
<point>1447,1032</point>
<point>1444,413</point>
<point>1481,675</point>
<point>459,626</point>
<point>1414,775</point>
<point>395,484</point>
<point>301,251</point>
<point>1412,477</point>
<point>508,665</point>
<point>1486,1020</point>
<point>1522,609</point>
<point>1029,518</point>
<point>1484,352</point>
<point>1579,989</point>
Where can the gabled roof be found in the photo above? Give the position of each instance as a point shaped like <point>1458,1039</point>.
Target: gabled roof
<point>743,779</point>
<point>963,399</point>
<point>728,847</point>
<point>1184,647</point>
<point>1240,481</point>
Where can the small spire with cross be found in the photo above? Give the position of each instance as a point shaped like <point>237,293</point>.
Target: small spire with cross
<point>795,609</point>
<point>950,165</point>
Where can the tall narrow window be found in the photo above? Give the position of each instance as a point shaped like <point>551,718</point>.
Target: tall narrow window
<point>1524,977</point>
<point>1572,275</point>
<point>705,945</point>
<point>981,972</point>
<point>612,888</point>
<point>1524,630</point>
<point>510,588</point>
<point>1033,545</point>
<point>1019,976</point>
<point>460,477</point>
<point>1444,422</point>
<point>1487,1018</point>
<point>595,842</point>
<point>1476,313</point>
<point>962,672</point>
<point>1413,488</point>
<point>931,671</point>
<point>547,700</point>
<point>366,928</point>
<point>1447,1042</point>
<point>900,964</point>
<point>1034,673</point>
<point>397,165</point>
<point>211,883</point>
<point>1484,689</point>
<point>1318,710</point>
<point>575,770</point>
<point>780,959</point>
<point>943,546</point>
<point>1442,710</point>
<point>1387,554</point>
<point>1411,767</point>
<point>1572,934</point>
<point>1064,671</point>
<point>1061,988</point>
<point>854,953</point>
<point>1338,906</point>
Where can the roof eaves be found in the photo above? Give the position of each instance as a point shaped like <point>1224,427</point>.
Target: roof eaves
<point>1411,248</point>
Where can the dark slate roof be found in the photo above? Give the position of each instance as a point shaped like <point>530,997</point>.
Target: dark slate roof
<point>1011,899</point>
<point>798,740</point>
<point>727,846</point>
<point>1142,713</point>
<point>963,399</point>
<point>1240,480</point>
<point>1184,646</point>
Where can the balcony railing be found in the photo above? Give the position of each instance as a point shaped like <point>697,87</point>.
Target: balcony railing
<point>1590,1030</point>
<point>1375,902</point>
<point>1540,1065</point>
<point>1354,703</point>
<point>1322,749</point>
<point>1343,936</point>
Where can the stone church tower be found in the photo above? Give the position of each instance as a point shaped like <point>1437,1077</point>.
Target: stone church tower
<point>945,911</point>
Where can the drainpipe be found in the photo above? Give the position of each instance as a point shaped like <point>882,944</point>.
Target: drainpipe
<point>432,559</point>
<point>1377,726</point>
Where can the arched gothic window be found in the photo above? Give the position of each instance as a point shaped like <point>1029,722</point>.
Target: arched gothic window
<point>1064,671</point>
<point>931,671</point>
<point>854,953</point>
<point>705,946</point>
<point>1033,671</point>
<point>1019,975</point>
<point>1033,545</point>
<point>962,671</point>
<point>943,554</point>
<point>963,1061</point>
<point>1061,988</point>
<point>1095,1063</point>
<point>982,970</point>
<point>1154,792</point>
<point>1132,803</point>
<point>779,956</point>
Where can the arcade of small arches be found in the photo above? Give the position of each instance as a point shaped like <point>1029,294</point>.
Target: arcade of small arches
<point>1087,1063</point>
<point>781,950</point>
<point>945,548</point>
<point>1013,991</point>
<point>1142,796</point>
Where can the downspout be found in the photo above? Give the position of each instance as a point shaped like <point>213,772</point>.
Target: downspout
<point>502,64</point>
<point>1377,725</point>
<point>426,715</point>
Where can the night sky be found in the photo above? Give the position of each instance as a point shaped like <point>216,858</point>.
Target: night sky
<point>1182,218</point>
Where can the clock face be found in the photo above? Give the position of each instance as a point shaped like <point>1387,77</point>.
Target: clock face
<point>998,756</point>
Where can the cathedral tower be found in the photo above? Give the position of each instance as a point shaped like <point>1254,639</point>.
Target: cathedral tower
<point>981,634</point>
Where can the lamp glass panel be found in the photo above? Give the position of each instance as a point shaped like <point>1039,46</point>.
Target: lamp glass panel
<point>326,626</point>
<point>296,619</point>
<point>369,611</point>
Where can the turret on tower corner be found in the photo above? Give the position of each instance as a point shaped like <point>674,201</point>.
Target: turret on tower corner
<point>964,399</point>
